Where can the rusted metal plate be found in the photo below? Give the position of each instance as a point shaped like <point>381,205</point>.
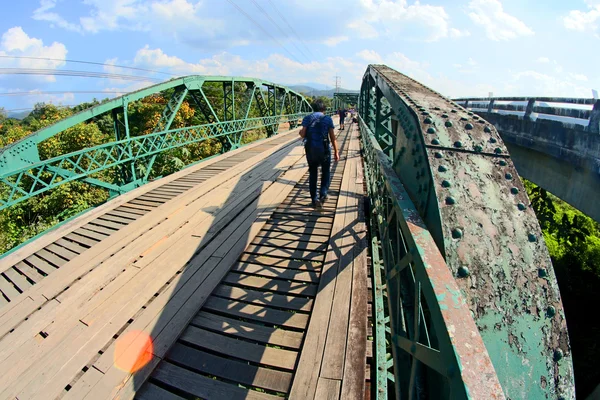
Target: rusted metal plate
<point>461,178</point>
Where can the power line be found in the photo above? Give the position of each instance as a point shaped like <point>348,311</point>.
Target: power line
<point>87,62</point>
<point>263,29</point>
<point>291,28</point>
<point>83,74</point>
<point>33,93</point>
<point>279,28</point>
<point>338,82</point>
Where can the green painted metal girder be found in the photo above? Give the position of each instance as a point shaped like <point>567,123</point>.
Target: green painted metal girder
<point>130,159</point>
<point>459,175</point>
<point>437,351</point>
<point>343,99</point>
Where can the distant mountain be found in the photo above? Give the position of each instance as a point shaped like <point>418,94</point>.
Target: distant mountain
<point>311,91</point>
<point>18,115</point>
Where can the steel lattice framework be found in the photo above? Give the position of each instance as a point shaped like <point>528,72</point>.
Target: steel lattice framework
<point>342,100</point>
<point>23,174</point>
<point>452,168</point>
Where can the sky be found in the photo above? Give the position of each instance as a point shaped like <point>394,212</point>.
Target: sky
<point>457,47</point>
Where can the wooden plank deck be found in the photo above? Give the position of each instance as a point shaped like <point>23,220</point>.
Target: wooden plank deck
<point>231,288</point>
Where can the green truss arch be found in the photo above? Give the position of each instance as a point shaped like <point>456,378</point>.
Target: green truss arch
<point>225,103</point>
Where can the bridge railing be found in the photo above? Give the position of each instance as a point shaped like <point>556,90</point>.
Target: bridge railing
<point>579,111</point>
<point>436,346</point>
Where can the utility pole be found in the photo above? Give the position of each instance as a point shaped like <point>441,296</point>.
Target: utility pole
<point>338,82</point>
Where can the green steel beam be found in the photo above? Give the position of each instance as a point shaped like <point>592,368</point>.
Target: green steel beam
<point>23,174</point>
<point>458,174</point>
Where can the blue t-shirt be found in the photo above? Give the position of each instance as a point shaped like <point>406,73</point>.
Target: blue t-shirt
<point>325,125</point>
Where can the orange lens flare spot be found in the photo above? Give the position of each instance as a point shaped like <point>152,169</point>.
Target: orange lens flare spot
<point>133,351</point>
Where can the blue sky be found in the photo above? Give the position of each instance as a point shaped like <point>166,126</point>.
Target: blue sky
<point>459,48</point>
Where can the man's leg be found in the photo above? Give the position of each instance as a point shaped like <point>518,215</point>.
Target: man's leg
<point>313,172</point>
<point>325,178</point>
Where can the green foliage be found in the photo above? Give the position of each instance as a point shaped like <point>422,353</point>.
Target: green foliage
<point>573,240</point>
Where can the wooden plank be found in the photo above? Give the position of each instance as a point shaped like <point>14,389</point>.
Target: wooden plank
<point>228,346</point>
<point>320,233</point>
<point>138,206</point>
<point>328,389</point>
<point>354,374</point>
<point>28,270</point>
<point>306,378</point>
<point>115,218</point>
<point>203,387</point>
<point>263,298</point>
<point>152,392</point>
<point>135,212</point>
<point>61,251</point>
<point>51,257</point>
<point>274,221</point>
<point>102,227</point>
<point>271,284</point>
<point>276,272</point>
<point>148,204</point>
<point>337,337</point>
<point>284,262</point>
<point>290,236</point>
<point>8,289</point>
<point>248,330</point>
<point>108,222</point>
<point>71,246</point>
<point>291,244</point>
<point>314,217</point>
<point>256,313</point>
<point>155,198</point>
<point>91,234</point>
<point>18,280</point>
<point>248,375</point>
<point>82,240</point>
<point>308,255</point>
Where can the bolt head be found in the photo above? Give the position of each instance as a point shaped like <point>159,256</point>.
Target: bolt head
<point>450,201</point>
<point>442,168</point>
<point>463,272</point>
<point>457,233</point>
<point>542,272</point>
<point>493,140</point>
<point>487,129</point>
<point>514,190</point>
<point>458,144</point>
<point>532,238</point>
<point>430,130</point>
<point>435,142</point>
<point>521,206</point>
<point>508,176</point>
<point>502,163</point>
<point>469,127</point>
<point>428,120</point>
<point>558,355</point>
<point>438,155</point>
<point>478,148</point>
<point>498,150</point>
<point>446,184</point>
<point>551,311</point>
<point>444,115</point>
<point>448,124</point>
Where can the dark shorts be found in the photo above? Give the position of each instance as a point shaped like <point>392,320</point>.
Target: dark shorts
<point>342,120</point>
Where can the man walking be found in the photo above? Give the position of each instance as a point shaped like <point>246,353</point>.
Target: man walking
<point>342,115</point>
<point>318,131</point>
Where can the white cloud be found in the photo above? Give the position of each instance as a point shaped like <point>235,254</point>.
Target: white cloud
<point>43,13</point>
<point>533,83</point>
<point>335,40</point>
<point>579,77</point>
<point>415,21</point>
<point>543,60</point>
<point>15,42</point>
<point>498,24</point>
<point>181,19</point>
<point>584,20</point>
<point>456,33</point>
<point>370,56</point>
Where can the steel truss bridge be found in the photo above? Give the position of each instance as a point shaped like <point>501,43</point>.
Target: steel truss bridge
<point>424,275</point>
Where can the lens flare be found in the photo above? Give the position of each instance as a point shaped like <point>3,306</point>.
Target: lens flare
<point>133,351</point>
